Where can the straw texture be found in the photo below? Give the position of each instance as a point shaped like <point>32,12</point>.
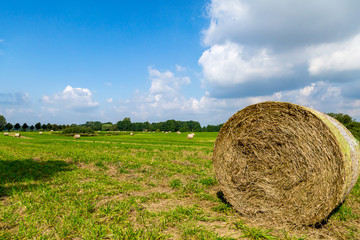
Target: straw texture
<point>286,163</point>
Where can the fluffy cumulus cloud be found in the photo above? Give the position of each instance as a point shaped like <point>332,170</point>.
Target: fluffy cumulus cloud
<point>229,64</point>
<point>302,51</point>
<point>78,99</point>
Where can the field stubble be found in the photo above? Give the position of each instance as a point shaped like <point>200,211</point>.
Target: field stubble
<point>146,186</point>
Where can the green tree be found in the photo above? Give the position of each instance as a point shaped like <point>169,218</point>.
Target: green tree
<point>95,125</point>
<point>9,126</point>
<point>106,127</point>
<point>32,127</point>
<point>17,126</point>
<point>44,126</point>
<point>124,125</point>
<point>25,127</point>
<point>38,126</point>
<point>2,122</point>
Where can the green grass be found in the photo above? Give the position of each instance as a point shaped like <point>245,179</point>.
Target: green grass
<point>146,186</point>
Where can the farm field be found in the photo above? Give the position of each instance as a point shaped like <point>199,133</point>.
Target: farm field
<point>146,186</point>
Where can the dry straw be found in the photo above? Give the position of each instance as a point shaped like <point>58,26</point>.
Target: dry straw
<point>285,163</point>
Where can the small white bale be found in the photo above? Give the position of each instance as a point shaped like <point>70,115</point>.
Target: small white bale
<point>40,133</point>
<point>17,134</point>
<point>166,132</point>
<point>131,134</point>
<point>77,136</point>
<point>6,134</point>
<point>178,132</point>
<point>190,136</point>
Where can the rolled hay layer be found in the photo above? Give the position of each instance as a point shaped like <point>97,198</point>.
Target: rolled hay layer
<point>285,163</point>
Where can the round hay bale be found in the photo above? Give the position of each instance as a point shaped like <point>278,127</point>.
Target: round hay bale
<point>77,136</point>
<point>17,134</point>
<point>178,132</point>
<point>131,134</point>
<point>6,134</point>
<point>40,133</point>
<point>190,136</point>
<point>286,163</point>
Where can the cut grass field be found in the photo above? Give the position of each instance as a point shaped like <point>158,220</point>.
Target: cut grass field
<point>146,186</point>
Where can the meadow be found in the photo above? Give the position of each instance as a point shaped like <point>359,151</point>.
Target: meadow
<point>146,186</point>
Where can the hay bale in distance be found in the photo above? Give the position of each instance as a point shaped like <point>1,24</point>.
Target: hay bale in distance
<point>285,163</point>
<point>40,133</point>
<point>6,134</point>
<point>190,136</point>
<point>17,134</point>
<point>178,132</point>
<point>131,134</point>
<point>77,136</point>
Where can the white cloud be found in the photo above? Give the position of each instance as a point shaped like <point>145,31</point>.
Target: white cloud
<point>261,47</point>
<point>335,57</point>
<point>180,68</point>
<point>165,83</point>
<point>73,98</point>
<point>18,98</point>
<point>109,100</point>
<point>264,22</point>
<point>229,64</point>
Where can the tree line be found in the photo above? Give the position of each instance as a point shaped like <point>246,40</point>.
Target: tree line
<point>123,125</point>
<point>169,125</point>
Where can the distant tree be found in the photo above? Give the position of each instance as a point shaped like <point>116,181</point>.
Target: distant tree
<point>9,126</point>
<point>106,127</point>
<point>17,126</point>
<point>124,125</point>
<point>32,127</point>
<point>44,126</point>
<point>343,118</point>
<point>38,126</point>
<point>49,126</point>
<point>113,127</point>
<point>95,125</point>
<point>2,122</point>
<point>25,127</point>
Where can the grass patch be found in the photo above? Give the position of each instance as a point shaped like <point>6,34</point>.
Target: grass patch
<point>146,186</point>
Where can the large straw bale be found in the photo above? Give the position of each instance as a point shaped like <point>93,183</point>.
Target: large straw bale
<point>17,134</point>
<point>77,136</point>
<point>285,163</point>
<point>6,134</point>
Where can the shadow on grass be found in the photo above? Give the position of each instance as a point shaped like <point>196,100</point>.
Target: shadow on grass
<point>18,172</point>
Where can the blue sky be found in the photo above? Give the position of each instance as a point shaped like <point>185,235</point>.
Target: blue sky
<point>74,61</point>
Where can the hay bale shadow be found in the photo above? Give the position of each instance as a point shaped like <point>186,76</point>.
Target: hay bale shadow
<point>221,196</point>
<point>19,172</point>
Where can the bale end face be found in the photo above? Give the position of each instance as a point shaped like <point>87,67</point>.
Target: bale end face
<point>282,161</point>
